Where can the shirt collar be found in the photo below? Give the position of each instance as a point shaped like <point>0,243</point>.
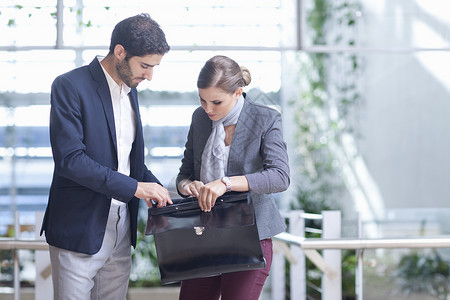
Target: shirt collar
<point>113,86</point>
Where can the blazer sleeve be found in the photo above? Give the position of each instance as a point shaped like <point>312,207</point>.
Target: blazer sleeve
<point>67,140</point>
<point>187,163</point>
<point>274,176</point>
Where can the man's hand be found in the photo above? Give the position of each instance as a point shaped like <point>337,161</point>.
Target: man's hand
<point>149,191</point>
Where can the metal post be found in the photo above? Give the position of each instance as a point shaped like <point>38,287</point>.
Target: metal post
<point>277,278</point>
<point>43,285</point>
<point>300,24</point>
<point>59,24</point>
<point>15,253</point>
<point>331,226</point>
<point>359,266</point>
<point>298,269</point>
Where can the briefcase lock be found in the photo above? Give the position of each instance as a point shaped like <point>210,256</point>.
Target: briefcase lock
<point>199,230</point>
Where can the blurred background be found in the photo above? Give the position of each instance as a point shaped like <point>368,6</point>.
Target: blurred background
<point>363,87</point>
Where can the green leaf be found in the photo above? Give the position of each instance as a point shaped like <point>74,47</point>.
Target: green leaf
<point>11,22</point>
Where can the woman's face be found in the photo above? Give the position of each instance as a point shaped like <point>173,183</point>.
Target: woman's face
<point>217,103</point>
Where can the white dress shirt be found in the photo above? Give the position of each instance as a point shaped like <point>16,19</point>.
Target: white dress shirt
<point>125,123</point>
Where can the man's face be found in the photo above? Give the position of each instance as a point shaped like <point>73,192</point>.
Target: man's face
<point>135,69</point>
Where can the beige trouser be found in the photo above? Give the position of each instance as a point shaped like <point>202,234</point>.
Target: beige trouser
<point>102,276</point>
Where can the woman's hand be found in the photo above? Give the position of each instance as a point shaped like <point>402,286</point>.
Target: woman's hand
<point>209,194</point>
<point>192,188</point>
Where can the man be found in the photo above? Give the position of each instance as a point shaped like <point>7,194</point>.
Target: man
<point>96,136</point>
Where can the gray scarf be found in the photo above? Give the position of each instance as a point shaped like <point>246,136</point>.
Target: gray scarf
<point>213,160</point>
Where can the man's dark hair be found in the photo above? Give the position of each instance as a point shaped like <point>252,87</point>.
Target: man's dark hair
<point>140,35</point>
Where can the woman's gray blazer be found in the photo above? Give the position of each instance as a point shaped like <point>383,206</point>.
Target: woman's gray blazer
<point>257,151</point>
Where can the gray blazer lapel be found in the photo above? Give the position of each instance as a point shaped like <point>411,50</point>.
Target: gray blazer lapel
<point>240,138</point>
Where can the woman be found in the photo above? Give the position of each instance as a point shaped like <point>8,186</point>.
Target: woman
<point>234,144</point>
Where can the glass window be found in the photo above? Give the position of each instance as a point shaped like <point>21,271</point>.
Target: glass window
<point>402,24</point>
<point>33,71</point>
<point>370,94</point>
<point>31,57</point>
<point>374,80</point>
<point>197,24</point>
<point>23,24</point>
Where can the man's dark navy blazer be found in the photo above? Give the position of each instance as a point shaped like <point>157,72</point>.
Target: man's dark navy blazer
<point>83,140</point>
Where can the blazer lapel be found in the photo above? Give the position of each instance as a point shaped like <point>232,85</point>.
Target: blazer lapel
<point>240,136</point>
<point>135,106</point>
<point>105,96</point>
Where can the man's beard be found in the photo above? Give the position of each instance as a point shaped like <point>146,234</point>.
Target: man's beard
<point>124,72</point>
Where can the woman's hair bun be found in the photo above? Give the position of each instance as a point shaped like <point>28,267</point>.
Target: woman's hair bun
<point>246,77</point>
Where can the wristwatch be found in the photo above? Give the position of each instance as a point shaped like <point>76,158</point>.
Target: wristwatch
<point>227,182</point>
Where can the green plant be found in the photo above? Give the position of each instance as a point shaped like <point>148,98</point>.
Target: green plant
<point>349,265</point>
<point>323,111</point>
<point>322,116</point>
<point>6,268</point>
<point>423,272</point>
<point>145,272</point>
<point>31,11</point>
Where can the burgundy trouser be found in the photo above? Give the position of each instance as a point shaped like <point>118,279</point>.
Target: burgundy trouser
<point>243,285</point>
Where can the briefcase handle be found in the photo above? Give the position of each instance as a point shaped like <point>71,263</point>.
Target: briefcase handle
<point>191,203</point>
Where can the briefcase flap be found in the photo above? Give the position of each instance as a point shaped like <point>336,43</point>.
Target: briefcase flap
<point>230,210</point>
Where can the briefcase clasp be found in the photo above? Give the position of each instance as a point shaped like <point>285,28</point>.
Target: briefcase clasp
<point>199,230</point>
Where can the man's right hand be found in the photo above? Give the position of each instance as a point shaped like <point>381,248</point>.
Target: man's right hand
<point>149,191</point>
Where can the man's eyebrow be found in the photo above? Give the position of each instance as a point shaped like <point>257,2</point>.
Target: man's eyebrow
<point>148,65</point>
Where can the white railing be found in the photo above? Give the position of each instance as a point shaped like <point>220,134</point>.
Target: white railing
<point>295,247</point>
<point>291,245</point>
<point>361,244</point>
<point>15,244</point>
<point>43,285</point>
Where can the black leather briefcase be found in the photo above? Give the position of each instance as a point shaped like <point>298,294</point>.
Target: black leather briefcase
<point>193,244</point>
